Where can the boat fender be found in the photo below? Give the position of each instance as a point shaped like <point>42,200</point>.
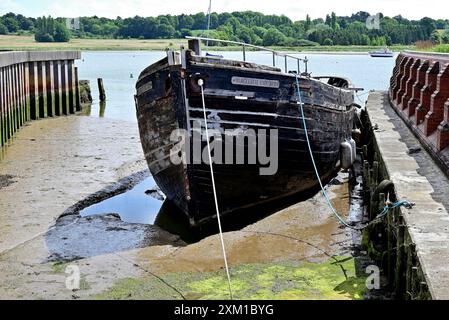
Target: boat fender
<point>354,150</point>
<point>346,155</point>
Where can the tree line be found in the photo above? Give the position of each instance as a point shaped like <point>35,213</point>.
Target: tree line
<point>248,26</point>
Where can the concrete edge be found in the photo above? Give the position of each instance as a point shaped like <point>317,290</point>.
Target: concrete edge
<point>428,222</point>
<point>14,57</point>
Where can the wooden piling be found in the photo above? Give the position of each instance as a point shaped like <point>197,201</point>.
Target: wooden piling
<point>50,83</point>
<point>32,86</point>
<point>71,87</point>
<point>409,271</point>
<point>77,91</point>
<point>2,124</point>
<point>390,254</point>
<point>101,90</point>
<point>58,88</point>
<point>400,263</point>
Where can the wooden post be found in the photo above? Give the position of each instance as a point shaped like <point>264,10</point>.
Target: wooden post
<point>77,91</point>
<point>195,46</point>
<point>390,255</point>
<point>365,152</point>
<point>102,108</point>
<point>27,91</point>
<point>58,82</point>
<point>2,125</point>
<point>51,103</point>
<point>415,281</point>
<point>409,273</point>
<point>65,88</point>
<point>42,81</point>
<point>101,90</point>
<point>367,183</point>
<point>72,86</point>
<point>9,103</point>
<point>399,278</point>
<point>375,174</point>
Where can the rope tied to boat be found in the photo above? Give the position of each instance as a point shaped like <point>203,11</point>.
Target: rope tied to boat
<point>388,207</point>
<point>201,84</point>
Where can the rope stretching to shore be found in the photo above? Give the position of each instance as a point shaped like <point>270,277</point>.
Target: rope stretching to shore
<point>384,212</point>
<point>201,84</point>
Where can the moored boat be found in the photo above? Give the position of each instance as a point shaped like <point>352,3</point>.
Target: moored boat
<point>240,98</point>
<point>384,53</point>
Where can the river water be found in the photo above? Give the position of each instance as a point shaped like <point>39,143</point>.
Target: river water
<point>120,71</point>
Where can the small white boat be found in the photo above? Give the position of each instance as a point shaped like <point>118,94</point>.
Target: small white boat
<point>384,53</point>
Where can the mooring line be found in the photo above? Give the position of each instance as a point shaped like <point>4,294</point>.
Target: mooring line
<point>386,209</point>
<point>154,275</point>
<point>333,257</point>
<point>201,84</point>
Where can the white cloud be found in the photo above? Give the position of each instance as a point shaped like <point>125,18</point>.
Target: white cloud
<point>295,9</point>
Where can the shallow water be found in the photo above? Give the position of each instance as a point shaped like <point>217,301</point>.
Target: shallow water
<point>133,206</point>
<point>120,71</point>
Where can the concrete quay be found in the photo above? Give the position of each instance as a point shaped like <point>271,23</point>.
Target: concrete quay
<point>413,244</point>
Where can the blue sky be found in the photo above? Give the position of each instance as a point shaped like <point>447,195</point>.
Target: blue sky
<point>295,9</point>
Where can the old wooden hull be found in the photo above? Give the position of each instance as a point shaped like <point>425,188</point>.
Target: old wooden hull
<point>169,98</point>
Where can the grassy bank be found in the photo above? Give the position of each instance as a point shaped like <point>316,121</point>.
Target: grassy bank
<point>16,42</point>
<point>442,48</point>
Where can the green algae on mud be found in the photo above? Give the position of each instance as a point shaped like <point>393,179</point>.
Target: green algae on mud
<point>271,281</point>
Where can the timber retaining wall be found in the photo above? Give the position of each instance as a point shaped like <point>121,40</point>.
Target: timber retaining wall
<point>388,242</point>
<point>34,85</point>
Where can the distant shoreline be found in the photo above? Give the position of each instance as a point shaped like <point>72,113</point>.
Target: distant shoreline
<point>17,43</point>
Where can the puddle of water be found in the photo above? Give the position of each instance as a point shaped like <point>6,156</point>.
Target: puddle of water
<point>133,206</point>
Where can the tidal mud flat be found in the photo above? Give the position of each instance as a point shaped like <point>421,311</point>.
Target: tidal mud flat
<point>56,167</point>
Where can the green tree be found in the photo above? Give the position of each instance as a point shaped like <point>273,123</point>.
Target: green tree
<point>328,42</point>
<point>308,24</point>
<point>61,34</point>
<point>165,31</point>
<point>435,37</point>
<point>3,29</point>
<point>186,22</point>
<point>11,24</point>
<point>273,37</point>
<point>445,37</point>
<point>334,23</point>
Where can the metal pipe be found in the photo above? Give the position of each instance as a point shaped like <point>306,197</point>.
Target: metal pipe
<point>245,45</point>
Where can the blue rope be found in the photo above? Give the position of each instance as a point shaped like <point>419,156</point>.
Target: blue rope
<point>387,208</point>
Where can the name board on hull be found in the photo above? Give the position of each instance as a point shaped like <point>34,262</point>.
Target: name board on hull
<point>255,82</point>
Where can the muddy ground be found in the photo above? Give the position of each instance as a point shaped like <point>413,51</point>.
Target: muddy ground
<point>53,168</point>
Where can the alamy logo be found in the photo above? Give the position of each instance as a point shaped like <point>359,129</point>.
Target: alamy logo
<point>373,22</point>
<point>72,23</point>
<point>373,280</point>
<point>230,146</point>
<point>72,281</point>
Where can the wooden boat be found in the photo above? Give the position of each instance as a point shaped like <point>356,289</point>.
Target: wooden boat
<point>384,53</point>
<point>240,95</point>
